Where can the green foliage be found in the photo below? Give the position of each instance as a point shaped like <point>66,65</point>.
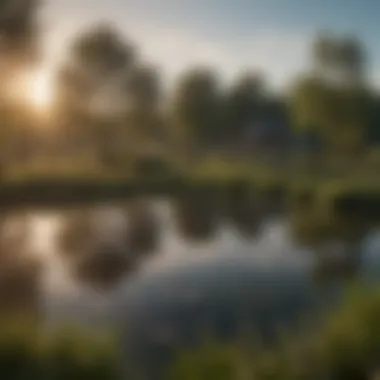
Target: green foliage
<point>339,58</point>
<point>345,346</point>
<point>28,353</point>
<point>334,101</point>
<point>244,105</point>
<point>196,106</point>
<point>341,116</point>
<point>101,51</point>
<point>308,104</point>
<point>212,361</point>
<point>71,354</point>
<point>98,57</point>
<point>107,98</point>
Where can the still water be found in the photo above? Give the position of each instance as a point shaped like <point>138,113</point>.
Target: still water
<point>165,277</point>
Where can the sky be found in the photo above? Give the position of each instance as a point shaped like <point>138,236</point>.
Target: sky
<point>272,36</point>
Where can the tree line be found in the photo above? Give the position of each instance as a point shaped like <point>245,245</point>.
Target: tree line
<point>110,102</point>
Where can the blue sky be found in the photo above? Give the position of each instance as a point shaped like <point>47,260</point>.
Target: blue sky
<point>232,35</point>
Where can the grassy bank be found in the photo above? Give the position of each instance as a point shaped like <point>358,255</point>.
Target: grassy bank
<point>349,190</point>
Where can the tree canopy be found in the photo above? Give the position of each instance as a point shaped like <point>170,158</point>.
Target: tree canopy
<point>333,100</point>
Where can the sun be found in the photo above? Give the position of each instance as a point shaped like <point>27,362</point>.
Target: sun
<point>33,90</point>
<point>40,91</point>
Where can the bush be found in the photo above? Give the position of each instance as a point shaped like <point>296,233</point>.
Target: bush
<point>210,362</point>
<point>346,346</point>
<point>27,353</point>
<point>151,166</point>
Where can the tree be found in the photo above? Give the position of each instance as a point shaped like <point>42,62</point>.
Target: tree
<point>144,99</point>
<point>196,107</point>
<point>18,53</point>
<point>374,132</point>
<point>103,86</point>
<point>18,32</point>
<point>334,102</point>
<point>353,59</point>
<point>98,62</point>
<point>88,87</point>
<point>244,104</point>
<point>339,59</point>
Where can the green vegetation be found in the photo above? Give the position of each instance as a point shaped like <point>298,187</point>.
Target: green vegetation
<point>111,117</point>
<point>26,352</point>
<point>235,150</point>
<point>345,346</point>
<point>112,129</point>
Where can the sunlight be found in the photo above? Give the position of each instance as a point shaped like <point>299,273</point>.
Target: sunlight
<point>41,95</point>
<point>33,89</point>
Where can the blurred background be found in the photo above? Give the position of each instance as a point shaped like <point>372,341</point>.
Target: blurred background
<point>178,172</point>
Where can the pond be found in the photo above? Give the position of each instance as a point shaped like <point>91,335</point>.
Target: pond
<point>169,271</point>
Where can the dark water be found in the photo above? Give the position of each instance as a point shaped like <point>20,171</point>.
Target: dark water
<point>166,282</point>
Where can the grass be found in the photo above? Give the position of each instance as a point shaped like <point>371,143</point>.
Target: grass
<point>343,345</point>
<point>30,353</point>
<point>84,180</point>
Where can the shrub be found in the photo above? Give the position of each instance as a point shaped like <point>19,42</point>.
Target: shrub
<point>28,353</point>
<point>346,346</point>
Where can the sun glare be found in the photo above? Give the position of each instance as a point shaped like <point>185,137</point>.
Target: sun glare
<point>34,89</point>
<point>41,91</point>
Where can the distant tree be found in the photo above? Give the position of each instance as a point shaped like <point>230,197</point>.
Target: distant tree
<point>103,86</point>
<point>18,32</point>
<point>244,104</point>
<point>339,59</point>
<point>144,98</point>
<point>334,101</point>
<point>98,62</point>
<point>89,97</point>
<point>374,132</point>
<point>18,52</point>
<point>353,59</point>
<point>196,107</point>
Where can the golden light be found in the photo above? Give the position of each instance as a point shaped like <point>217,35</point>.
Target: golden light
<point>41,91</point>
<point>34,90</point>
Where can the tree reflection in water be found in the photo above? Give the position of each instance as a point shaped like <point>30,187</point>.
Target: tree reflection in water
<point>20,269</point>
<point>335,236</point>
<point>103,267</point>
<point>197,215</point>
<point>242,209</point>
<point>76,234</point>
<point>143,234</point>
<point>101,259</point>
<point>97,255</point>
<point>334,239</point>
